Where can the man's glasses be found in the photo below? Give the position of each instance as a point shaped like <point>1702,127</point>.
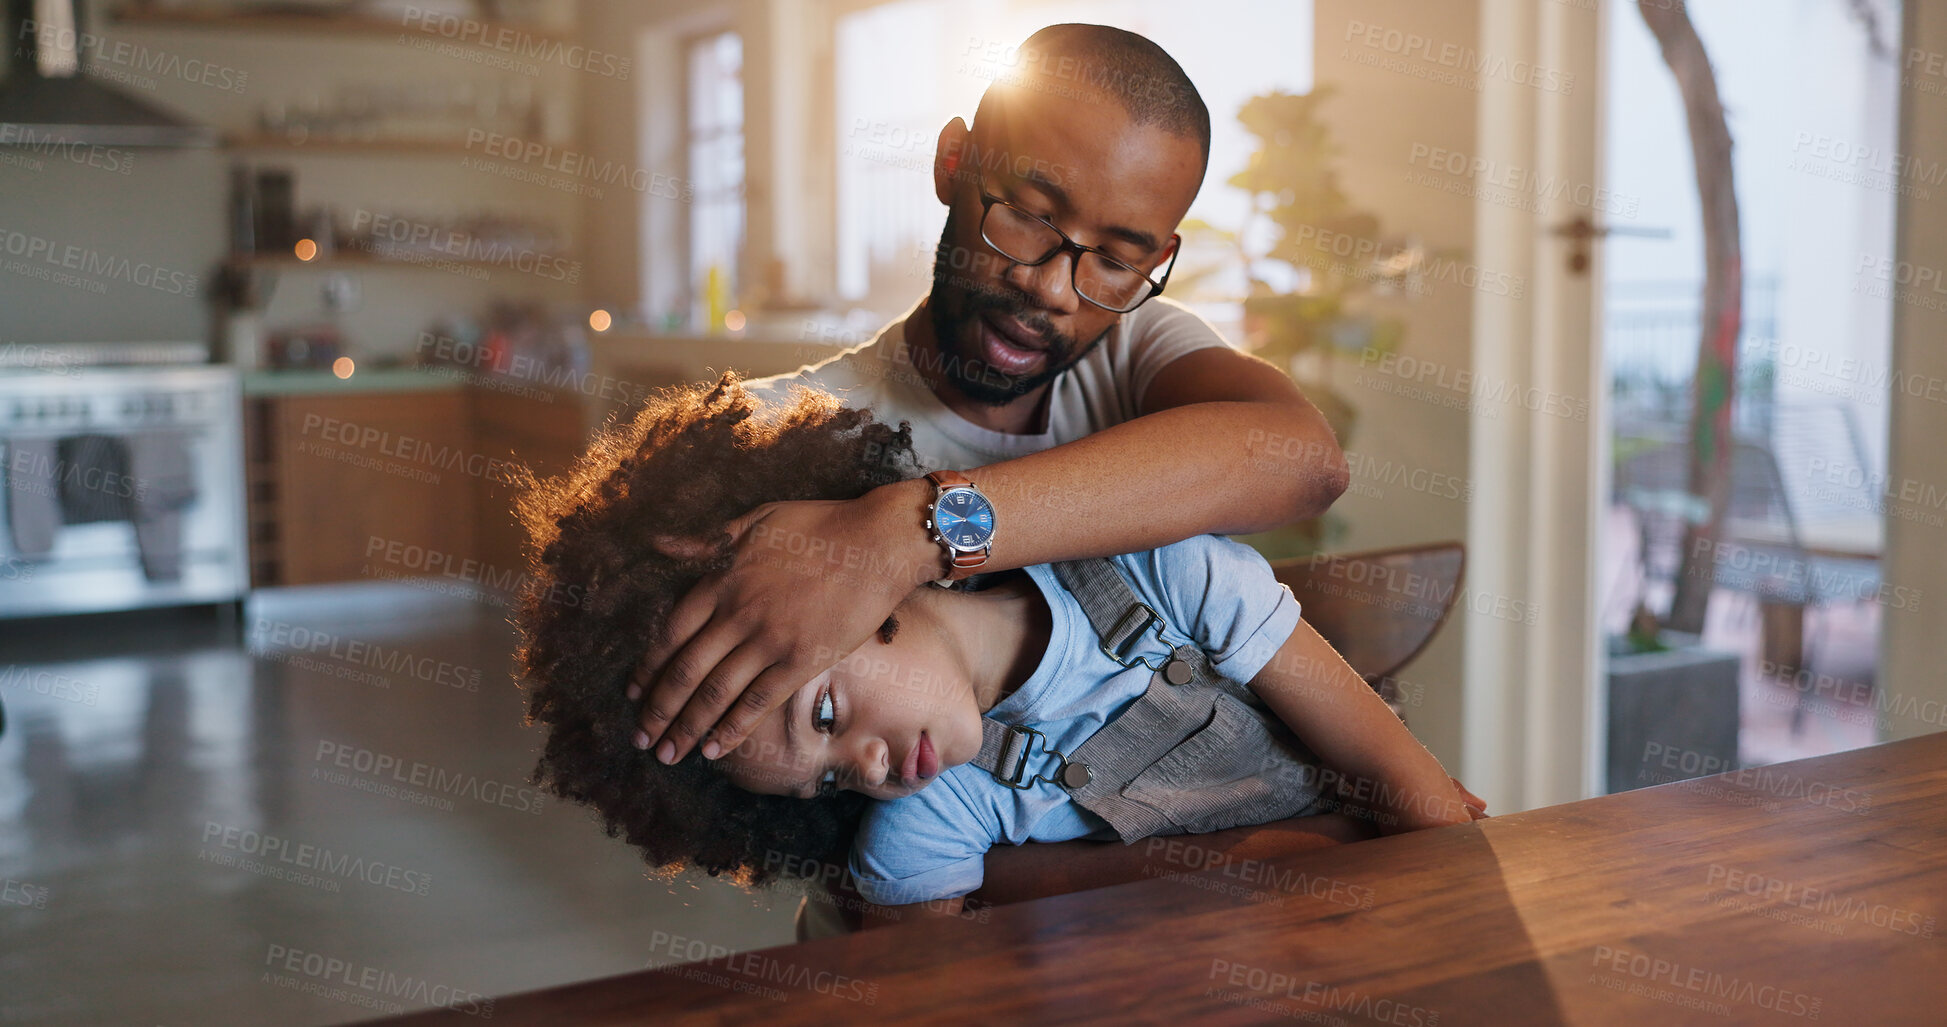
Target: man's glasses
<point>1099,278</point>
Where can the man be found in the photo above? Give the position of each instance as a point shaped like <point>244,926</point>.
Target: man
<point>1086,416</point>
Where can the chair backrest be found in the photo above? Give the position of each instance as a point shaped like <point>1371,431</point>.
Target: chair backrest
<point>1378,608</point>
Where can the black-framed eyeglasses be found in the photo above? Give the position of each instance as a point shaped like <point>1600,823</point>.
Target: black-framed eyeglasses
<point>1031,241</point>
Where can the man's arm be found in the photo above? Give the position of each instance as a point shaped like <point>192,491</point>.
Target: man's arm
<point>1225,444</point>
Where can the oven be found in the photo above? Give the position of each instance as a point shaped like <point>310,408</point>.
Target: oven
<point>123,486</point>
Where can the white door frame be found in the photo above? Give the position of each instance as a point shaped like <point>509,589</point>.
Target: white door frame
<point>1534,730</point>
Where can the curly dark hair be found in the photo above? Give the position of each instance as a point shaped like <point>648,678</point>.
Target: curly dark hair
<point>603,580</point>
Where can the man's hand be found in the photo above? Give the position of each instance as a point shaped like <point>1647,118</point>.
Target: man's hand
<point>810,582</point>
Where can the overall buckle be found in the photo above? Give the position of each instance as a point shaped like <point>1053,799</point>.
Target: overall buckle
<point>1128,629</point>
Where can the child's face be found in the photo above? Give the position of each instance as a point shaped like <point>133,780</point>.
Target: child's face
<point>884,722</point>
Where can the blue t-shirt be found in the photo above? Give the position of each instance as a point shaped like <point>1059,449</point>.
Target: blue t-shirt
<point>1209,591</point>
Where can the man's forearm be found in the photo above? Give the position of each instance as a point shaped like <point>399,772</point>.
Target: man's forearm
<point>1219,468</point>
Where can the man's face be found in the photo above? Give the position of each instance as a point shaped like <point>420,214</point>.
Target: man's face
<point>1005,329</point>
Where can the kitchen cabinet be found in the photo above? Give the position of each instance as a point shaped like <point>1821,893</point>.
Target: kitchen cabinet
<point>357,487</point>
<point>401,482</point>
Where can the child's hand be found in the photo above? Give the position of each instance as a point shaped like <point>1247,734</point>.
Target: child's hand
<point>1476,806</point>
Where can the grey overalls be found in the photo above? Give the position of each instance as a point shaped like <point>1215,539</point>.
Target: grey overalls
<point>1196,752</point>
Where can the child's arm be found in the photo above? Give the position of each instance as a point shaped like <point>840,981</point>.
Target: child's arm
<point>1332,709</point>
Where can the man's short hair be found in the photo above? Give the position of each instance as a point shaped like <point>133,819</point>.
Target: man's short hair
<point>1099,62</point>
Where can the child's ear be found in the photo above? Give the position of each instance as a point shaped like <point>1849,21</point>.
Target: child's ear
<point>684,547</point>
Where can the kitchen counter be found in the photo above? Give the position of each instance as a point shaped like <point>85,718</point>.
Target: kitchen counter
<point>319,381</point>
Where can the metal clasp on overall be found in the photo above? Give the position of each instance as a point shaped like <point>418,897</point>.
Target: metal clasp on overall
<point>1138,619</point>
<point>1019,746</point>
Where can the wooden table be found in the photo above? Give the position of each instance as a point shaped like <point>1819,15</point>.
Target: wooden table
<point>1804,892</point>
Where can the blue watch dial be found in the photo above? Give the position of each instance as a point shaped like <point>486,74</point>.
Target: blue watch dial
<point>964,518</point>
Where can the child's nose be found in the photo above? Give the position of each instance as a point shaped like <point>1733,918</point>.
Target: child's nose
<point>871,763</point>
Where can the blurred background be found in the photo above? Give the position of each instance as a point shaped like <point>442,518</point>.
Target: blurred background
<point>288,287</point>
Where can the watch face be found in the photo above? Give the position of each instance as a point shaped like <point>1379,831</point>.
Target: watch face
<point>964,519</point>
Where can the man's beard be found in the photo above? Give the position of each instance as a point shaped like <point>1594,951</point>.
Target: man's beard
<point>955,309</point>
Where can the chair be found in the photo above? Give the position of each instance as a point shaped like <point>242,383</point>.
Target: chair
<point>1761,548</point>
<point>1381,608</point>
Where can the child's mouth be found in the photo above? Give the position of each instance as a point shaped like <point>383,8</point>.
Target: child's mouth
<point>929,761</point>
<point>921,764</point>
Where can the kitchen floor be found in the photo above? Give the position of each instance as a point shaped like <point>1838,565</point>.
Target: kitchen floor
<point>308,817</point>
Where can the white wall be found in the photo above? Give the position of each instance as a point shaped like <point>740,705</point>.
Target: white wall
<point>1410,463</point>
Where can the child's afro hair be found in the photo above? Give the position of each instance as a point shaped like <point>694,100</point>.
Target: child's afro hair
<point>604,578</point>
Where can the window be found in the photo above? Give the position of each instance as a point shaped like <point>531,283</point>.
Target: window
<point>903,69</point>
<point>714,141</point>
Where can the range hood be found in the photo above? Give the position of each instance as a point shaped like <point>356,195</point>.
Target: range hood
<point>46,97</point>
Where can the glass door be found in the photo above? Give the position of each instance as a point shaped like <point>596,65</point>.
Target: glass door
<point>1781,664</point>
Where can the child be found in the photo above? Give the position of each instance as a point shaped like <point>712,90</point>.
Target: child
<point>1093,699</point>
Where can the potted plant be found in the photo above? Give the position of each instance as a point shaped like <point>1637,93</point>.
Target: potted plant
<point>1305,305</point>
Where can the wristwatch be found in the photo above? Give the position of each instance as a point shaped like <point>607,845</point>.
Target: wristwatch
<point>962,521</point>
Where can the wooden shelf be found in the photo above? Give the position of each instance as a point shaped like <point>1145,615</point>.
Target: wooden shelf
<point>347,25</point>
<point>355,259</point>
<point>350,146</point>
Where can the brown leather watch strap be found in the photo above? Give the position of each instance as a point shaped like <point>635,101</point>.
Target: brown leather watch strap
<point>947,479</point>
<point>960,564</point>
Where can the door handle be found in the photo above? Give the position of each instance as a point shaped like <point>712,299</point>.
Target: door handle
<point>1580,231</point>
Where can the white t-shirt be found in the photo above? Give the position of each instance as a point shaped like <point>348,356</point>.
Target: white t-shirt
<point>1104,388</point>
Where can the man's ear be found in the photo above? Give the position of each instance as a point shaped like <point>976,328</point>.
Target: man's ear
<point>948,156</point>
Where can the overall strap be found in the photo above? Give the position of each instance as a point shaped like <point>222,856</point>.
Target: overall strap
<point>1120,617</point>
<point>1113,609</point>
<point>1163,715</point>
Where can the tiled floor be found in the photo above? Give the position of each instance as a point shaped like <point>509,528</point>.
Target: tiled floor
<point>181,844</point>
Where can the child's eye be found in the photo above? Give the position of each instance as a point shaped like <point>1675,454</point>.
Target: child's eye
<point>828,785</point>
<point>825,714</point>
